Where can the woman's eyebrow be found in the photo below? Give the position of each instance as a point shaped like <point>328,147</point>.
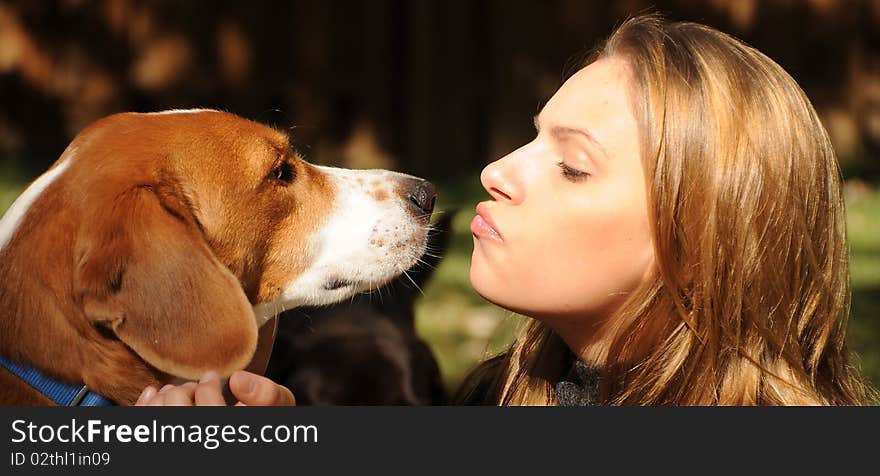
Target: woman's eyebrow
<point>559,132</point>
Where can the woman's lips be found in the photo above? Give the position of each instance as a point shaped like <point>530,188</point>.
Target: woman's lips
<point>482,225</point>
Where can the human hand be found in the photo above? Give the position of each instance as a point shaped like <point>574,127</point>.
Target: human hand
<point>250,390</point>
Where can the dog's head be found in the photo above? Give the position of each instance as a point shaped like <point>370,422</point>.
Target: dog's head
<point>191,228</point>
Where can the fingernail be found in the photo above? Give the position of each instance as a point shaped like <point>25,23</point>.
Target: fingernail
<point>166,387</point>
<point>209,376</point>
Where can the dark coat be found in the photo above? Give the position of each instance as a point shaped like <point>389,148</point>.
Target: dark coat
<point>579,387</point>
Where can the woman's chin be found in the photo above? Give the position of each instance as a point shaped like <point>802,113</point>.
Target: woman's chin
<point>483,284</point>
<point>488,287</point>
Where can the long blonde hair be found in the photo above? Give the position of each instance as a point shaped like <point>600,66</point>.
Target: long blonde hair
<point>750,297</point>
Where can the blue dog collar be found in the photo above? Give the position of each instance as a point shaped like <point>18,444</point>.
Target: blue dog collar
<point>63,394</point>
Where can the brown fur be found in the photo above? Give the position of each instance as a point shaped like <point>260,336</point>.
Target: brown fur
<point>143,258</point>
<point>17,392</point>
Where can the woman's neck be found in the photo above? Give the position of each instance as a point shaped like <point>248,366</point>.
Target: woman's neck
<point>590,343</point>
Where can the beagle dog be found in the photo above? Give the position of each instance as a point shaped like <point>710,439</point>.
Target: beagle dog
<point>158,244</point>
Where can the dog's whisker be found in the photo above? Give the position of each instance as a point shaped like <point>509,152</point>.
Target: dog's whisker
<point>414,283</point>
<point>426,263</point>
<point>432,250</point>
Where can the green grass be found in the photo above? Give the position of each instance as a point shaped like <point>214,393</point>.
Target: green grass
<point>12,183</point>
<point>863,226</point>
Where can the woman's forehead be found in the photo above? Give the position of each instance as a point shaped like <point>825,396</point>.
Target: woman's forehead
<point>594,98</point>
<point>600,84</point>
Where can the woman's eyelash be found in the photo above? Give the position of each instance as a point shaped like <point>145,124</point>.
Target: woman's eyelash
<point>572,174</point>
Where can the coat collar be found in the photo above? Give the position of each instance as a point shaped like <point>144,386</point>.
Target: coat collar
<point>580,387</point>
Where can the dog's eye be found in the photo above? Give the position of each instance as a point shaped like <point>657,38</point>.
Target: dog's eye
<point>283,173</point>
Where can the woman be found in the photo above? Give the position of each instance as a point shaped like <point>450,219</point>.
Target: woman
<point>676,230</point>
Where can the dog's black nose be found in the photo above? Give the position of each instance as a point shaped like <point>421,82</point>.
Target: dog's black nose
<point>421,195</point>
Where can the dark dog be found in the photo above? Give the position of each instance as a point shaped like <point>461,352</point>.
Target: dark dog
<point>366,351</point>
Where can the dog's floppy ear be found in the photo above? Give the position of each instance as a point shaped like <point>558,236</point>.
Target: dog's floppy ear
<point>145,271</point>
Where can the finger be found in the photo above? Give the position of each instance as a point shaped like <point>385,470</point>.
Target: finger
<point>146,395</point>
<point>252,389</point>
<point>158,400</point>
<point>166,388</point>
<point>183,395</point>
<point>208,391</point>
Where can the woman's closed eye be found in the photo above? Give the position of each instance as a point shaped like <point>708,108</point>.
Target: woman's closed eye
<point>571,150</point>
<point>572,174</point>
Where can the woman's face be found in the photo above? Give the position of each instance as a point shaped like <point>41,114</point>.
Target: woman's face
<point>566,233</point>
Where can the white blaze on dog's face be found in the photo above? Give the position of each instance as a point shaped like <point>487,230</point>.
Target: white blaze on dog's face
<point>375,231</point>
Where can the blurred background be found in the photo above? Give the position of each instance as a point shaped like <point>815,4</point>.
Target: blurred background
<point>433,88</point>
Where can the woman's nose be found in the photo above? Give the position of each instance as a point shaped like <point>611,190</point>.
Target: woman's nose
<point>500,179</point>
